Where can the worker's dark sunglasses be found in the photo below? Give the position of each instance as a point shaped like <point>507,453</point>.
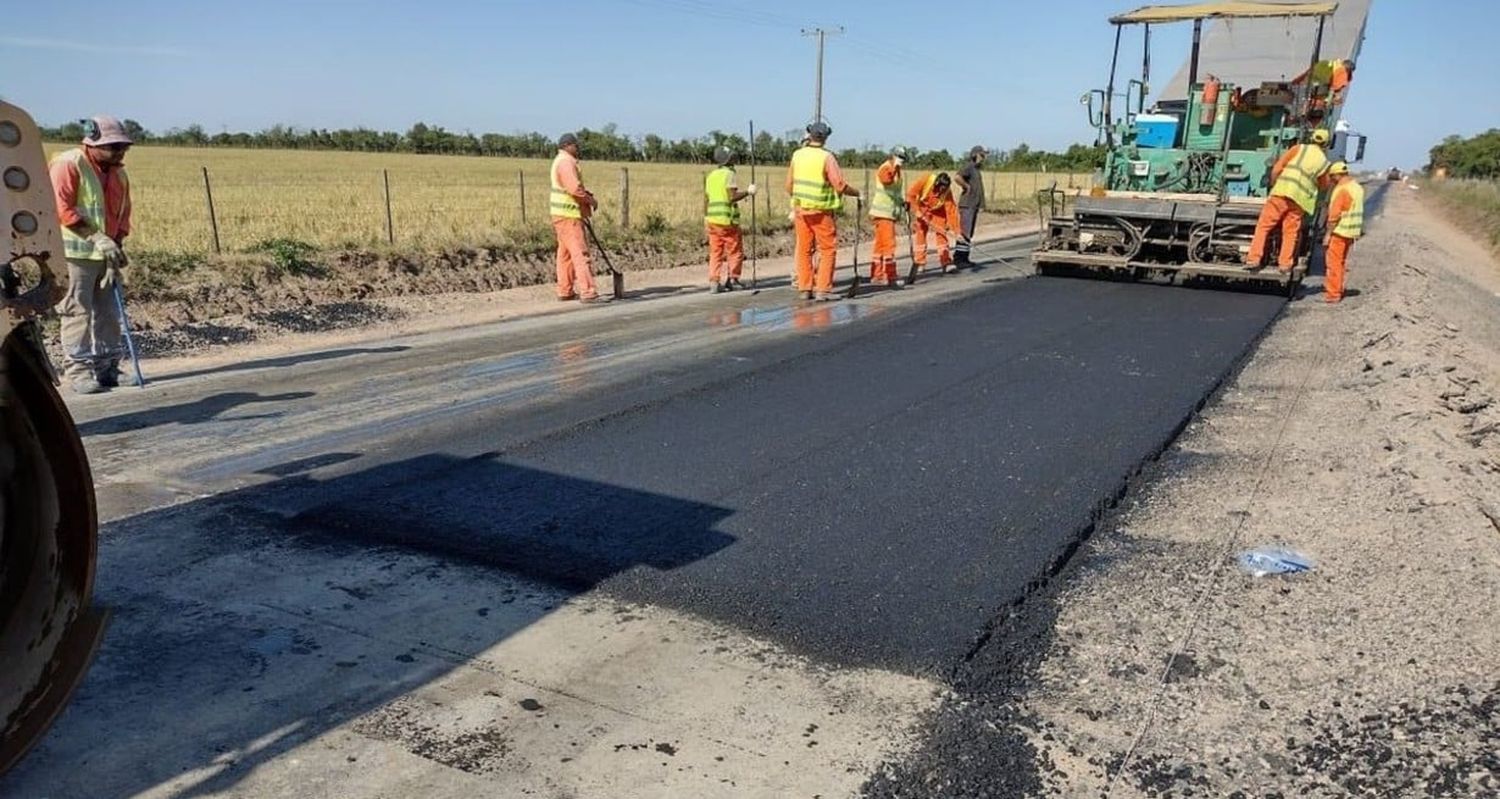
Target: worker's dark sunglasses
<point>117,148</point>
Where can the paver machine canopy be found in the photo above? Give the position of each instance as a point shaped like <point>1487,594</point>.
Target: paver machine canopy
<point>1184,179</point>
<point>49,627</point>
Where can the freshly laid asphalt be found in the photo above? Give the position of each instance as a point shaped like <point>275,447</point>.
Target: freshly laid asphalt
<point>875,500</point>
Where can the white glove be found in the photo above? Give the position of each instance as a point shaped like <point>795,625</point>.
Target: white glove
<point>750,190</point>
<point>106,246</point>
<point>110,278</point>
<point>791,216</point>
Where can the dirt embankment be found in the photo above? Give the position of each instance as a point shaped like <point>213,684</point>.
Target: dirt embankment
<point>1365,435</point>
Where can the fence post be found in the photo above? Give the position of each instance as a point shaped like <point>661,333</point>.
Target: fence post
<point>213,221</point>
<point>624,197</point>
<point>390,228</point>
<point>521,181</point>
<point>867,184</point>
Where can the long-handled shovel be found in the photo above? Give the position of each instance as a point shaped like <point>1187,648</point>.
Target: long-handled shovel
<point>754,228</point>
<point>616,276</point>
<point>858,234</point>
<point>135,359</point>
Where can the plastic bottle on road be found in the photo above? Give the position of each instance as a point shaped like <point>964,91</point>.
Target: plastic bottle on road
<point>1262,561</point>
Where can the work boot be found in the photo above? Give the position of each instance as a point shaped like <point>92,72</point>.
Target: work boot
<point>733,284</point>
<point>807,295</point>
<point>566,297</point>
<point>87,385</point>
<point>950,269</point>
<point>109,376</point>
<point>829,296</point>
<point>716,287</point>
<point>597,299</point>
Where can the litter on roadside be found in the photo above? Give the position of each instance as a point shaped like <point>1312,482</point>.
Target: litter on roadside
<point>1262,561</point>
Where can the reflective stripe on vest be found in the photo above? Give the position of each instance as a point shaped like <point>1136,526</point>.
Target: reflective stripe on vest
<point>563,204</point>
<point>89,203</point>
<point>1299,181</point>
<point>1352,224</point>
<point>720,210</point>
<point>810,187</point>
<point>886,200</point>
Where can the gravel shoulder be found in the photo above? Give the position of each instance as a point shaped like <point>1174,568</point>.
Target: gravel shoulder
<point>1365,435</point>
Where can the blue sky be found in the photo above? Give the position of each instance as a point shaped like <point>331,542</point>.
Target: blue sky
<point>933,75</point>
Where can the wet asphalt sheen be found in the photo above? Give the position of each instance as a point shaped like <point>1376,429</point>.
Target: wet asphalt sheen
<point>875,502</point>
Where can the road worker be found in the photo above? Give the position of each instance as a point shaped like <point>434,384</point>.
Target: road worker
<point>1346,222</point>
<point>570,204</point>
<point>1334,74</point>
<point>930,199</point>
<point>817,189</point>
<point>1294,194</point>
<point>726,247</point>
<point>970,179</point>
<point>887,204</point>
<point>92,192</point>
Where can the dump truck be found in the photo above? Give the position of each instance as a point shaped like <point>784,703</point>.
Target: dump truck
<point>1184,179</point>
<point>49,625</point>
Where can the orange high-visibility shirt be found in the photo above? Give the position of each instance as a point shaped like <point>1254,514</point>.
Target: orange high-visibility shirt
<point>888,173</point>
<point>1340,79</point>
<point>65,179</point>
<point>1342,202</point>
<point>936,206</point>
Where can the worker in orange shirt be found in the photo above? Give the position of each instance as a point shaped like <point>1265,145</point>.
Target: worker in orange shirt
<point>817,189</point>
<point>887,204</point>
<point>1346,222</point>
<point>570,204</point>
<point>930,200</point>
<point>1294,195</point>
<point>721,217</point>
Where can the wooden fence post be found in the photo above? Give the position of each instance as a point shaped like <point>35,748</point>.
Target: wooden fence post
<point>213,221</point>
<point>521,181</point>
<point>624,197</point>
<point>390,227</point>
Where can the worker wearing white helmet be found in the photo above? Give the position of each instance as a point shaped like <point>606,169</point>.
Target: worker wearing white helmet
<point>887,204</point>
<point>721,217</point>
<point>817,189</point>
<point>1294,195</point>
<point>93,206</point>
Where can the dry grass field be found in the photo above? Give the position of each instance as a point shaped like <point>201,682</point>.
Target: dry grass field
<point>336,198</point>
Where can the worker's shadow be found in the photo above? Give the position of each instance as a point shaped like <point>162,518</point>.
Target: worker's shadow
<point>249,625</point>
<point>188,413</point>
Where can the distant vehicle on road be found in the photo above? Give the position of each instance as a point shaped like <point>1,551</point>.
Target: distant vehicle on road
<point>1393,174</point>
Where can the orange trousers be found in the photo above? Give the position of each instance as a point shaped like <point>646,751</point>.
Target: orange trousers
<point>939,227</point>
<point>816,229</point>
<point>726,251</point>
<point>883,259</point>
<point>575,277</point>
<point>1335,265</point>
<point>1277,212</point>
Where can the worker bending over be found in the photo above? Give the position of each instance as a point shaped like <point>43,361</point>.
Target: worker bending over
<point>92,194</point>
<point>570,205</point>
<point>1294,194</point>
<point>1346,222</point>
<point>817,188</point>
<point>930,199</point>
<point>887,204</point>
<point>726,242</point>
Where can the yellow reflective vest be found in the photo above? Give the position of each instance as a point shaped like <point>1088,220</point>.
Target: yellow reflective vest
<point>89,202</point>
<point>810,187</point>
<point>562,204</point>
<point>721,208</point>
<point>1352,223</point>
<point>1299,180</point>
<point>885,201</point>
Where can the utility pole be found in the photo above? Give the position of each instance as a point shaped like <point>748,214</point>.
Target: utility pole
<point>822,34</point>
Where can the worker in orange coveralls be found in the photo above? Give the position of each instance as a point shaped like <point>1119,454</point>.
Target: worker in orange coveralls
<point>1294,194</point>
<point>721,217</point>
<point>817,188</point>
<point>570,204</point>
<point>1346,222</point>
<point>930,201</point>
<point>887,204</point>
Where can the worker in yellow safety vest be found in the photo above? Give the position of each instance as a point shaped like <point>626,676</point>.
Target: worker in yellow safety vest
<point>569,205</point>
<point>1346,222</point>
<point>817,188</point>
<point>1294,194</point>
<point>721,216</point>
<point>92,194</point>
<point>887,204</point>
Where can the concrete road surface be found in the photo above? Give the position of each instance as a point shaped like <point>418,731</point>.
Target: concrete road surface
<point>697,546</point>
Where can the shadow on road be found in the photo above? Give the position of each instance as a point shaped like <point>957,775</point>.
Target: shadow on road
<point>187,413</point>
<point>285,360</point>
<point>239,635</point>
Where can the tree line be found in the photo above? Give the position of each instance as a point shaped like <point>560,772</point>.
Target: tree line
<point>1474,157</point>
<point>606,144</point>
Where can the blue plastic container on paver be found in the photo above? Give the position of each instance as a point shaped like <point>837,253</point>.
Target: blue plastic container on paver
<point>1156,130</point>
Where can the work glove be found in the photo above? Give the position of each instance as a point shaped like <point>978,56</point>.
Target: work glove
<point>750,190</point>
<point>110,278</point>
<point>106,246</point>
<point>791,216</point>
